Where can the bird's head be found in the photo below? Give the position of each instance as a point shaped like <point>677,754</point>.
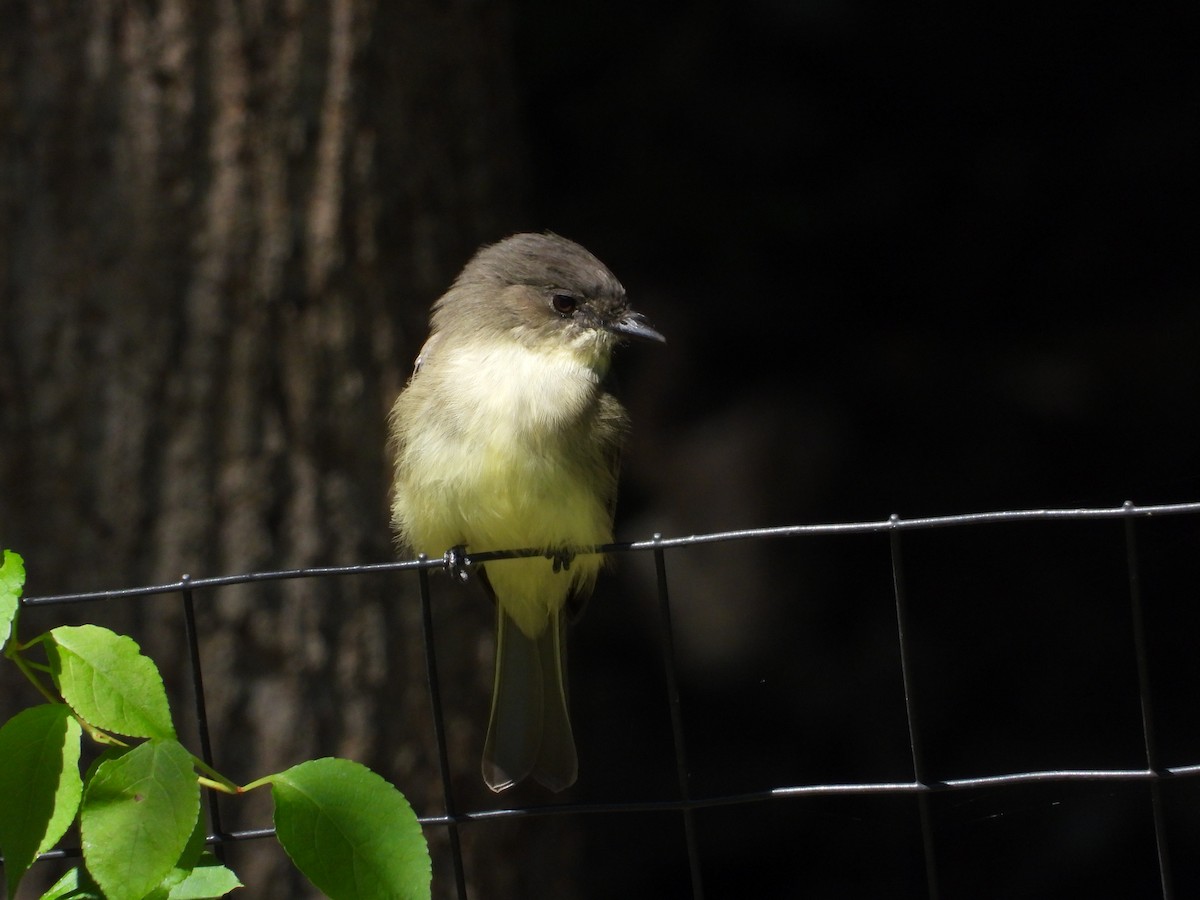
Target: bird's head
<point>544,291</point>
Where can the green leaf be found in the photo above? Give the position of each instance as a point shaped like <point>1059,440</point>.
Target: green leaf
<point>208,879</point>
<point>75,885</point>
<point>137,815</point>
<point>107,681</point>
<point>198,875</point>
<point>12,579</point>
<point>351,833</point>
<point>183,866</point>
<point>109,753</point>
<point>39,784</point>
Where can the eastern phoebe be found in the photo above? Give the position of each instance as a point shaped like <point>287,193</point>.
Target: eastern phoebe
<point>506,438</point>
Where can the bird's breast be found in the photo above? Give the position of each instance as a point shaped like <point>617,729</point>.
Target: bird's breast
<point>500,453</point>
<point>512,392</point>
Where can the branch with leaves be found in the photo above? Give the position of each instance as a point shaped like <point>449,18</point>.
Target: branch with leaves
<point>350,832</point>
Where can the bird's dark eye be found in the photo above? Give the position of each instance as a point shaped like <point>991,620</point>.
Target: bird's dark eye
<point>564,304</point>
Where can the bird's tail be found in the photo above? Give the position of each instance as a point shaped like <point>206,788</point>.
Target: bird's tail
<point>529,732</point>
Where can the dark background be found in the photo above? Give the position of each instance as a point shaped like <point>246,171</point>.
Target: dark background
<point>922,259</point>
<point>918,260</point>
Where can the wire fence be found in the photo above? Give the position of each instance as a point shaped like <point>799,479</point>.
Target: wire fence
<point>921,786</point>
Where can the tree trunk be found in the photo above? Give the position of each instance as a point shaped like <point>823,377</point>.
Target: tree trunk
<point>222,226</point>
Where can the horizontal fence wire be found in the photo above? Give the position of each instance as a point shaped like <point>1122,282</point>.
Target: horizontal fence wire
<point>748,534</point>
<point>919,786</point>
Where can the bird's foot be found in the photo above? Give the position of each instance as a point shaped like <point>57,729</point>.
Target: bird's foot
<point>457,563</point>
<point>562,558</point>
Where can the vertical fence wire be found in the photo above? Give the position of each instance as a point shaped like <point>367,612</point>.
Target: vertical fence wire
<point>439,731</point>
<point>1141,654</point>
<point>206,752</point>
<point>910,709</point>
<point>681,763</point>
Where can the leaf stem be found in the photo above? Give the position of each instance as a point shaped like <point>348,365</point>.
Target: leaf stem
<point>100,737</point>
<point>215,779</point>
<point>266,779</point>
<point>217,785</point>
<point>27,669</point>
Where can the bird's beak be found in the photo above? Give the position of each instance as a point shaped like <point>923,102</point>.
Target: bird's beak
<point>634,325</point>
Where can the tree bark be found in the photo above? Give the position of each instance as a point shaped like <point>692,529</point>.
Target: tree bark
<point>222,226</point>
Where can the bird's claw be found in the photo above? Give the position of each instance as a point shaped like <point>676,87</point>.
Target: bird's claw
<point>457,563</point>
<point>561,558</point>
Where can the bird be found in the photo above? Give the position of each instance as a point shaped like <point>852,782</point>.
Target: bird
<point>507,437</point>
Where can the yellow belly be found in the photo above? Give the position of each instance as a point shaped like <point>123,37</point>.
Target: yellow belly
<point>493,472</point>
<point>495,498</point>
